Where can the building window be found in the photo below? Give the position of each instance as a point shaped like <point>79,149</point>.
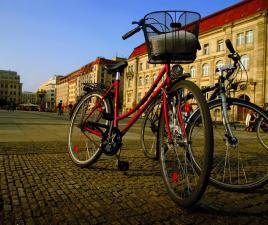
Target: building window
<point>140,67</point>
<point>129,97</point>
<point>146,81</point>
<point>139,96</point>
<point>219,64</point>
<point>206,49</point>
<point>205,70</point>
<point>129,83</point>
<point>140,81</point>
<point>249,37</point>
<point>245,62</point>
<point>220,46</point>
<point>130,69</point>
<point>193,71</point>
<point>240,39</point>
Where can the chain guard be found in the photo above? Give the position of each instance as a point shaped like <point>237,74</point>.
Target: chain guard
<point>112,142</point>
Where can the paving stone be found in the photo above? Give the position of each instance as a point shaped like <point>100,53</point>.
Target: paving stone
<point>41,185</point>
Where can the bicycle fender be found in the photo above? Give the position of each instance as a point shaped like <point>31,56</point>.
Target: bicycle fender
<point>180,78</point>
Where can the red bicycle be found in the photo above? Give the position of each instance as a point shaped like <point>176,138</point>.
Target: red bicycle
<point>186,157</point>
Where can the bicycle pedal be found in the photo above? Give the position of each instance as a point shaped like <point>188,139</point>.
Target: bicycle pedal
<point>123,165</point>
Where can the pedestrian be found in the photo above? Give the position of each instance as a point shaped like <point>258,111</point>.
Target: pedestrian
<point>70,109</point>
<point>250,121</point>
<point>13,106</point>
<point>60,111</point>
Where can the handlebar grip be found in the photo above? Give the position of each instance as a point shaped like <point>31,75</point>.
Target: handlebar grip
<point>229,45</point>
<point>130,33</point>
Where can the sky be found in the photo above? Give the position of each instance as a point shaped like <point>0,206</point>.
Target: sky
<point>41,38</point>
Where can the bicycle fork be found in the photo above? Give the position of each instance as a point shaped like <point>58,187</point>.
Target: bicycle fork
<point>177,122</point>
<point>232,140</point>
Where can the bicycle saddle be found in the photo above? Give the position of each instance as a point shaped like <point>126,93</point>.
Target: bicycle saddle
<point>118,67</point>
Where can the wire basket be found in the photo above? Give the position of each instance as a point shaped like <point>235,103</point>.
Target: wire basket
<point>171,36</point>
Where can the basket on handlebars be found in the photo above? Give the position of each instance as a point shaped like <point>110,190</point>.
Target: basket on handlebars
<point>172,36</point>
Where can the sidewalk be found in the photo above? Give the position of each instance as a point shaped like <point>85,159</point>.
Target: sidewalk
<point>41,185</point>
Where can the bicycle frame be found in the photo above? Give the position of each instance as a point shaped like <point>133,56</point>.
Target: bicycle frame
<point>142,104</point>
<point>219,89</point>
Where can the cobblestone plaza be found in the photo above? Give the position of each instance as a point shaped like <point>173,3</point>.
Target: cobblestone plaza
<point>40,184</point>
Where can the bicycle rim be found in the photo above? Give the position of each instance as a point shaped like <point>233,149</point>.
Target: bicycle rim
<point>262,132</point>
<point>185,181</point>
<point>149,131</point>
<point>84,144</point>
<point>241,165</point>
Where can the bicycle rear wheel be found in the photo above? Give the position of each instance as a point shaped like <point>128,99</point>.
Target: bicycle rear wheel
<point>187,161</point>
<point>240,164</point>
<point>149,130</point>
<point>87,128</point>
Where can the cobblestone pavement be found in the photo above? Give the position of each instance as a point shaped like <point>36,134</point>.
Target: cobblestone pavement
<point>40,185</point>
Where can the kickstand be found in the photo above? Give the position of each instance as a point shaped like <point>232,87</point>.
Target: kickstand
<point>121,165</point>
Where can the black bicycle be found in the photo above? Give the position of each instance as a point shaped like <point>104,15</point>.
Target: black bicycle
<point>240,160</point>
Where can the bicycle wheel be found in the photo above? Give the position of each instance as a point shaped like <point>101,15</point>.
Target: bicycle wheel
<point>262,132</point>
<point>187,161</point>
<point>87,128</point>
<point>149,130</point>
<point>239,164</point>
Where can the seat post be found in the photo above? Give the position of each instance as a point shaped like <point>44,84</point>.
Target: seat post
<point>118,75</point>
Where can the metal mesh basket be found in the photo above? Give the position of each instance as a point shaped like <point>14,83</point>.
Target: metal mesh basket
<point>171,36</point>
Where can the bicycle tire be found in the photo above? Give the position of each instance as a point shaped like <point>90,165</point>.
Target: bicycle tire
<point>149,131</point>
<point>186,189</point>
<point>262,132</point>
<point>82,143</point>
<point>240,166</point>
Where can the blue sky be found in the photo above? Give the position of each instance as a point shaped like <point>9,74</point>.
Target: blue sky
<point>40,38</point>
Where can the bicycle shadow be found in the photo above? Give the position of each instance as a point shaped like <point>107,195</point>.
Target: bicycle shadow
<point>233,204</point>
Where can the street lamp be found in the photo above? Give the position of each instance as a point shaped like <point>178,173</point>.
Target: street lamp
<point>41,94</point>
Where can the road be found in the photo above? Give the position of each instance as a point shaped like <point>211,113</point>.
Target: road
<point>40,184</point>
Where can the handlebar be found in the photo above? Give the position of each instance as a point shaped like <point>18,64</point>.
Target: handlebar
<point>230,46</point>
<point>233,54</point>
<point>140,23</point>
<point>130,33</point>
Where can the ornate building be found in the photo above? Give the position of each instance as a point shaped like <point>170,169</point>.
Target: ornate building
<point>245,24</point>
<point>70,87</point>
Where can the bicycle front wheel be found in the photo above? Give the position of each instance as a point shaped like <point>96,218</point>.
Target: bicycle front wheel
<point>149,130</point>
<point>87,128</point>
<point>240,163</point>
<point>186,161</point>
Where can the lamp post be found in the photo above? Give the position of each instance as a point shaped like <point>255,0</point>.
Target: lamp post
<point>41,94</point>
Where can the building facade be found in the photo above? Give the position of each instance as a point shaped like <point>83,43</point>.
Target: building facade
<point>70,87</point>
<point>245,24</point>
<point>10,87</point>
<point>62,91</point>
<point>48,89</point>
<point>28,97</point>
